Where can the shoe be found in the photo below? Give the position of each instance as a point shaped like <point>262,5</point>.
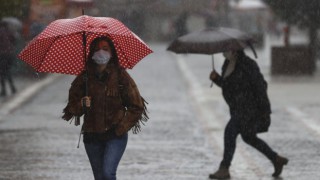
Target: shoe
<point>278,164</point>
<point>221,173</point>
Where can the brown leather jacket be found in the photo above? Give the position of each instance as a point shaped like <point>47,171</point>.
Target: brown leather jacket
<point>115,101</point>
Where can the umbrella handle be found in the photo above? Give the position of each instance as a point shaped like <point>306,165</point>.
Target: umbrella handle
<point>85,108</point>
<point>212,59</point>
<point>85,79</point>
<point>253,50</point>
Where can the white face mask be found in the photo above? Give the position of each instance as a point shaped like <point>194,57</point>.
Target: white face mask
<point>101,57</point>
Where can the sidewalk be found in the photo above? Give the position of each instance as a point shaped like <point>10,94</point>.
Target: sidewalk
<point>26,88</point>
<point>20,83</point>
<point>183,139</point>
<point>171,146</point>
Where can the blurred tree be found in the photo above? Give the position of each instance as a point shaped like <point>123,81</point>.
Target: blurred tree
<point>15,8</point>
<point>305,14</point>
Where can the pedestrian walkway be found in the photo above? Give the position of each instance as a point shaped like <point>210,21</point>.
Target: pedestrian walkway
<point>183,139</point>
<point>172,145</point>
<point>26,88</point>
<point>21,82</point>
<point>295,121</point>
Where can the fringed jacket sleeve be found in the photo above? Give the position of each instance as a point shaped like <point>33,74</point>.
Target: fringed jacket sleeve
<point>136,111</point>
<point>74,107</point>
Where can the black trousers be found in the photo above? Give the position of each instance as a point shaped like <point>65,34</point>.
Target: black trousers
<point>5,75</point>
<point>3,78</point>
<point>232,130</point>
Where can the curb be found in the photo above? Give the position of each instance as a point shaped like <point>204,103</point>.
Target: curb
<point>26,94</point>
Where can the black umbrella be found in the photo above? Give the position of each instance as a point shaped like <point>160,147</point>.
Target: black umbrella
<point>211,41</point>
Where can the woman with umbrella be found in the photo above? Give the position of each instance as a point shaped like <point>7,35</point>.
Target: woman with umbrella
<point>245,91</point>
<point>113,107</point>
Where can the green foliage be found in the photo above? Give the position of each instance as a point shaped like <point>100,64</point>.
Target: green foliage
<point>15,8</point>
<point>304,13</point>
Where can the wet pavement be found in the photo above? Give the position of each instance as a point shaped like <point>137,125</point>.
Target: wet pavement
<point>183,139</point>
<point>20,83</point>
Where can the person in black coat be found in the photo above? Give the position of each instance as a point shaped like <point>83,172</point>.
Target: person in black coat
<point>7,48</point>
<point>245,91</point>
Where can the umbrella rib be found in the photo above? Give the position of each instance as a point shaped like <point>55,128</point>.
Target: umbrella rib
<point>237,39</point>
<point>55,38</point>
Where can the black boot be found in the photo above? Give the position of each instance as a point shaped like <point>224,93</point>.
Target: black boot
<point>278,164</point>
<point>221,173</point>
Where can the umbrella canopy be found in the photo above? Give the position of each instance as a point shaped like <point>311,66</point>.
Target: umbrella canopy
<point>211,41</point>
<point>248,5</point>
<point>13,23</point>
<point>59,48</point>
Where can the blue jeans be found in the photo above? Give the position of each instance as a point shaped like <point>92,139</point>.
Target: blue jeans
<point>104,156</point>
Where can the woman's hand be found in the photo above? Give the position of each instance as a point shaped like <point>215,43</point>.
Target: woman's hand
<point>213,75</point>
<point>86,101</point>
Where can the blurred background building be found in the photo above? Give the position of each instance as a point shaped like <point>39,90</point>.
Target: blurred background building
<point>158,20</point>
<point>154,20</point>
<point>163,20</point>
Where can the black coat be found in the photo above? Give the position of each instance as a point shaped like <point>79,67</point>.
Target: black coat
<point>245,92</point>
<point>6,50</point>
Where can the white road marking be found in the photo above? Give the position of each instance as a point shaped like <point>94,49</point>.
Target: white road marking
<point>25,95</point>
<point>307,121</point>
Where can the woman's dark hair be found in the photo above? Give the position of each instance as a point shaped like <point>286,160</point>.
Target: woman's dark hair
<point>114,58</point>
<point>240,54</point>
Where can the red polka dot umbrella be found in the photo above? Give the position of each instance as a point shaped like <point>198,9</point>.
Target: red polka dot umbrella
<point>60,48</point>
